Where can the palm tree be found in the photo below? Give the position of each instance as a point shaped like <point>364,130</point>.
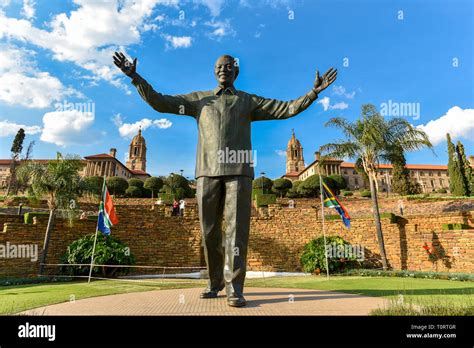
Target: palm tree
<point>59,181</point>
<point>370,140</point>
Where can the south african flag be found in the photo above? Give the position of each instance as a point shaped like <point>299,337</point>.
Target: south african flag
<point>107,216</point>
<point>331,201</point>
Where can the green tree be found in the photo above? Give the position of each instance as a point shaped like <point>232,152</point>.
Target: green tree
<point>134,192</point>
<point>154,184</point>
<point>59,181</point>
<point>135,182</point>
<point>281,186</point>
<point>16,149</point>
<point>93,185</point>
<point>262,183</point>
<point>310,186</point>
<point>466,170</point>
<point>339,181</point>
<point>401,182</point>
<point>178,186</point>
<point>457,185</point>
<point>369,139</point>
<point>117,185</point>
<point>293,192</point>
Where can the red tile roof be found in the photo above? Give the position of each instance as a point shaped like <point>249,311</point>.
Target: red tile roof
<point>138,172</point>
<point>292,174</point>
<point>100,155</point>
<point>409,166</point>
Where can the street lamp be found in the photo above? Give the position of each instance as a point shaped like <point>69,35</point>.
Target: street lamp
<point>262,174</point>
<point>181,170</point>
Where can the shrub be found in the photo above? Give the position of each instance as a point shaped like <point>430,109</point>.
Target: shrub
<point>314,256</point>
<point>166,198</point>
<point>442,190</point>
<point>264,199</point>
<point>347,193</point>
<point>365,194</point>
<point>135,182</point>
<point>34,202</point>
<point>117,185</point>
<point>133,192</point>
<point>28,217</point>
<point>108,251</point>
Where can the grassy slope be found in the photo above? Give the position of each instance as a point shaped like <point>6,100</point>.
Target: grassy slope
<point>420,291</point>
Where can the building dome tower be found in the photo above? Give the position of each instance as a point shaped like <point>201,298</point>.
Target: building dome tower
<point>137,153</point>
<point>294,155</point>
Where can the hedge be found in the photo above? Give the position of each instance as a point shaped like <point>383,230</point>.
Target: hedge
<point>332,217</point>
<point>455,226</point>
<point>394,219</point>
<point>412,274</point>
<point>264,199</point>
<point>28,217</point>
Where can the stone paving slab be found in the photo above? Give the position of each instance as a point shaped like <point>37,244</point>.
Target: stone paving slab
<point>260,301</point>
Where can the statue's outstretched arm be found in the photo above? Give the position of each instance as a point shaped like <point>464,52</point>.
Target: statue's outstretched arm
<point>182,104</point>
<point>272,109</point>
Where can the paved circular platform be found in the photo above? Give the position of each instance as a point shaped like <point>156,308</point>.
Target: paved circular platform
<point>260,301</point>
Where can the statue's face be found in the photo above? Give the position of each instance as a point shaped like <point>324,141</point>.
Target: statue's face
<point>225,71</point>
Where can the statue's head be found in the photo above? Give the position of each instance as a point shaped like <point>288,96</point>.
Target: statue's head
<point>226,70</point>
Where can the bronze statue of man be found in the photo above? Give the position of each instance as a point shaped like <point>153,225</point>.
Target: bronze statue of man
<point>224,188</point>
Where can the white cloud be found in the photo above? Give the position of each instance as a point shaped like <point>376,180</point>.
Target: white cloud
<point>324,102</point>
<point>67,127</point>
<point>88,35</point>
<point>178,41</point>
<point>21,83</point>
<point>28,9</point>
<point>281,153</point>
<point>8,128</point>
<point>129,130</point>
<point>220,29</point>
<point>459,123</point>
<point>340,90</point>
<point>339,106</point>
<point>214,6</point>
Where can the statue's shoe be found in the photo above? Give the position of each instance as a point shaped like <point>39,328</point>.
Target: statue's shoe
<point>235,301</point>
<point>207,293</point>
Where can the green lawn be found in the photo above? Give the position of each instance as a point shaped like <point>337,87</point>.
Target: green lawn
<point>414,290</point>
<point>18,298</point>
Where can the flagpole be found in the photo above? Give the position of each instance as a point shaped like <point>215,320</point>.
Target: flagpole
<point>95,238</point>
<point>324,225</point>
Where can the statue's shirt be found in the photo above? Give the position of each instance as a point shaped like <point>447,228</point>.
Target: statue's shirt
<point>223,117</point>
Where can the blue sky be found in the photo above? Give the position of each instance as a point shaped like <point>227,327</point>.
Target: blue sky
<point>54,52</point>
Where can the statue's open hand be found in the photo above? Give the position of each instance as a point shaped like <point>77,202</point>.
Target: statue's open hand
<point>127,67</point>
<point>321,83</point>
